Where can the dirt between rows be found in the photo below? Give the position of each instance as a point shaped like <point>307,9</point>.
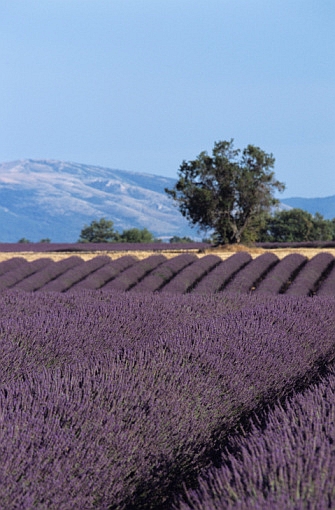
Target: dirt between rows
<point>222,252</point>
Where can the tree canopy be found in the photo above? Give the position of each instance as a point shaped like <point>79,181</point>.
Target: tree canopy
<point>178,239</point>
<point>228,192</point>
<point>136,235</point>
<point>296,225</point>
<point>101,231</point>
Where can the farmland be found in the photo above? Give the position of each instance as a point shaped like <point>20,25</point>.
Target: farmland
<point>180,379</point>
<point>292,272</point>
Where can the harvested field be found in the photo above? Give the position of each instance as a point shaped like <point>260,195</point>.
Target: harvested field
<point>223,253</point>
<point>280,252</point>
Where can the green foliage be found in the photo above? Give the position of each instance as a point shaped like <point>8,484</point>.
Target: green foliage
<point>256,225</point>
<point>25,240</point>
<point>136,235</point>
<point>227,192</point>
<point>101,231</point>
<point>323,230</point>
<point>296,225</point>
<point>177,239</point>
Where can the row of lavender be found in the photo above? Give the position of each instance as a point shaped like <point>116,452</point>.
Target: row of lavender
<point>301,244</point>
<point>108,247</point>
<point>285,461</point>
<point>155,246</point>
<point>184,273</point>
<point>114,400</point>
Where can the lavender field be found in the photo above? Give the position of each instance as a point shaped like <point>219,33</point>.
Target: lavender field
<point>167,383</point>
<point>185,273</point>
<point>285,460</point>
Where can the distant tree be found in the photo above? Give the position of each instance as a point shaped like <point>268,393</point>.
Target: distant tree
<point>101,231</point>
<point>24,240</point>
<point>177,239</point>
<point>323,230</point>
<point>296,225</point>
<point>45,240</point>
<point>136,235</point>
<point>227,192</point>
<point>333,229</point>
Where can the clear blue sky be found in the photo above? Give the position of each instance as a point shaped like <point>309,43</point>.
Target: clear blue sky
<point>141,85</point>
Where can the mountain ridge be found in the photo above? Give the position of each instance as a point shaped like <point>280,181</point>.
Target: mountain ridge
<point>55,199</point>
<point>322,205</point>
<point>48,198</point>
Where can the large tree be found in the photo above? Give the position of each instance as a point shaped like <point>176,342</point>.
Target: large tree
<point>228,192</point>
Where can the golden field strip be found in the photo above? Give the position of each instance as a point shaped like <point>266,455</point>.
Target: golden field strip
<point>222,252</point>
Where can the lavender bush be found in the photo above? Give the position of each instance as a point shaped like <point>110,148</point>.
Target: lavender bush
<point>307,279</point>
<point>278,278</point>
<point>190,275</point>
<point>10,264</point>
<point>222,274</point>
<point>76,274</point>
<point>327,287</point>
<point>129,277</point>
<point>105,274</point>
<point>47,273</point>
<point>21,271</point>
<point>248,278</point>
<point>164,273</point>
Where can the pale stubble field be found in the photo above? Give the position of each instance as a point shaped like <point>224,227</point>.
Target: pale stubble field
<point>222,252</point>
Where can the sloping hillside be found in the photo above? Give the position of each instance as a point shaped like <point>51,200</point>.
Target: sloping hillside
<point>54,199</point>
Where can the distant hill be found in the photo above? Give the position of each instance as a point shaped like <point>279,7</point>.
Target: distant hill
<point>325,206</point>
<point>55,199</point>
